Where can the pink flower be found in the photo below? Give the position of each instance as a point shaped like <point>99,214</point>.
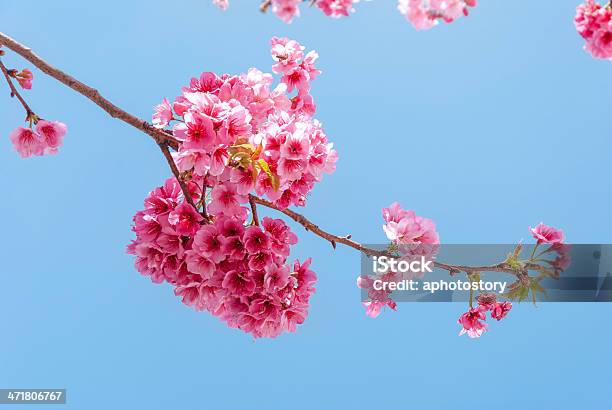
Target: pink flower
<point>197,159</point>
<point>238,282</point>
<point>258,261</point>
<point>280,235</point>
<point>547,234</point>
<point>335,8</point>
<point>163,114</point>
<point>222,4</point>
<point>226,200</point>
<point>291,169</point>
<point>563,259</point>
<point>406,228</point>
<point>471,323</point>
<point>236,125</point>
<point>186,219</point>
<point>286,10</point>
<point>376,299</point>
<point>500,310</point>
<point>52,134</point>
<point>287,53</point>
<point>24,78</point>
<point>374,308</point>
<point>243,180</point>
<point>146,227</point>
<point>298,78</point>
<point>199,264</point>
<point>233,247</point>
<point>277,277</point>
<point>425,14</point>
<point>594,23</point>
<point>196,132</point>
<point>395,213</point>
<point>296,146</point>
<point>27,143</point>
<point>208,242</point>
<point>256,240</point>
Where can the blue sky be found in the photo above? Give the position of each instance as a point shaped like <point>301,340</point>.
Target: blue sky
<point>488,125</point>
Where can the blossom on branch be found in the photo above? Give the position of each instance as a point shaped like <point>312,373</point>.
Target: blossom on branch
<point>243,136</point>
<point>24,78</point>
<point>45,139</point>
<point>237,135</point>
<point>547,234</point>
<point>237,273</point>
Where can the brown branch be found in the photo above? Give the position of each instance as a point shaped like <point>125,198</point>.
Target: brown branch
<point>263,7</point>
<point>15,92</point>
<point>346,240</point>
<point>158,135</point>
<point>164,149</point>
<point>254,209</point>
<point>203,201</point>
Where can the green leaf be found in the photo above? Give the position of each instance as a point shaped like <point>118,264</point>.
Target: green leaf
<point>266,168</point>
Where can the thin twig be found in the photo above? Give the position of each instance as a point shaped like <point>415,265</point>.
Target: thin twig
<point>346,240</point>
<point>15,92</point>
<point>263,7</point>
<point>203,201</point>
<point>158,135</point>
<point>254,210</point>
<point>164,148</point>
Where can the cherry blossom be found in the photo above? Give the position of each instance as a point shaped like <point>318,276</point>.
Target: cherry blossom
<point>422,14</point>
<point>45,139</point>
<point>243,136</point>
<point>216,267</point>
<point>163,114</point>
<point>547,234</point>
<point>594,23</point>
<point>235,136</point>
<point>425,14</point>
<point>24,78</point>
<point>472,322</point>
<point>500,310</point>
<point>406,228</point>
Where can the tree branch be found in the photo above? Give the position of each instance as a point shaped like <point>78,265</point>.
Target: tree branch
<point>254,209</point>
<point>346,240</point>
<point>15,92</point>
<point>159,136</point>
<point>164,148</point>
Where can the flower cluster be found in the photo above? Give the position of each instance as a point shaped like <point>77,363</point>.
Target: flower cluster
<point>46,138</point>
<point>411,236</point>
<point>377,299</point>
<point>236,272</point>
<point>547,234</point>
<point>423,14</point>
<point>237,136</point>
<point>243,136</point>
<point>472,321</point>
<point>406,228</point>
<point>554,237</point>
<point>594,23</point>
<point>23,77</point>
